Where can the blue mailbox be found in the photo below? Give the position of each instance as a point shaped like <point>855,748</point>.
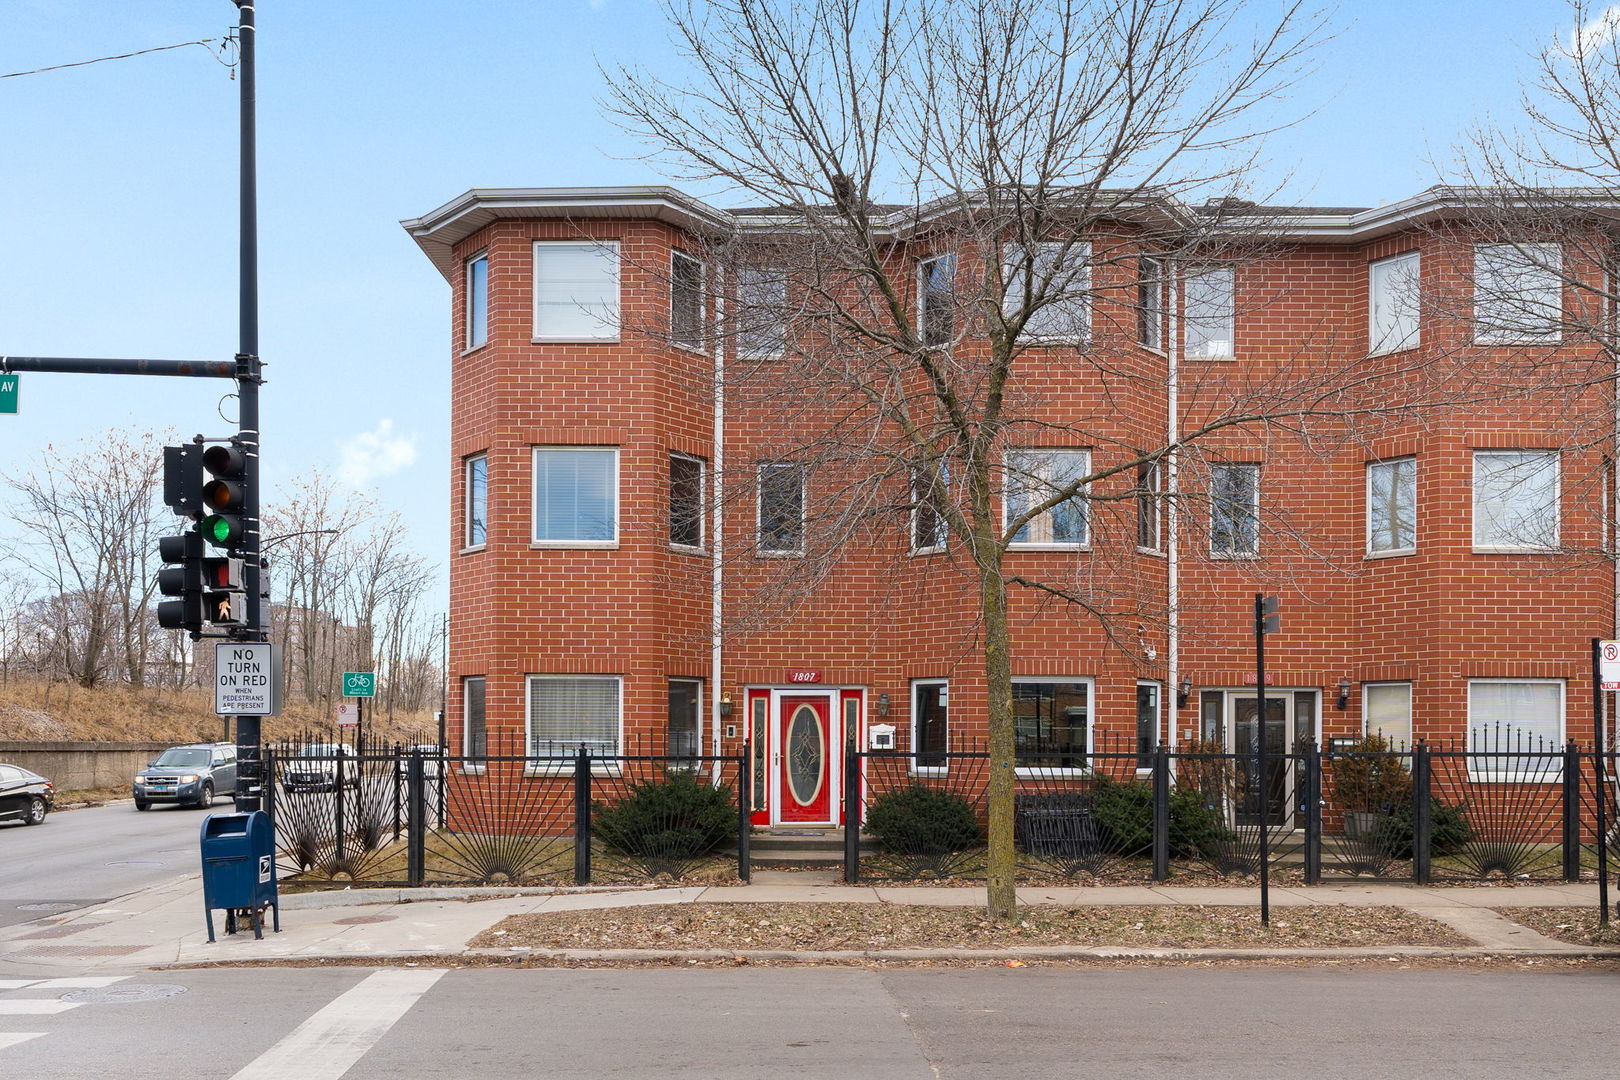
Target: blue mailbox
<point>239,869</point>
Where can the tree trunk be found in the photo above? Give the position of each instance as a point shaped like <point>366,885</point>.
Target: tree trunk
<point>1002,871</point>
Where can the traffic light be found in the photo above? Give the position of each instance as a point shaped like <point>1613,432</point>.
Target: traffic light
<point>224,598</point>
<point>225,496</point>
<point>182,578</point>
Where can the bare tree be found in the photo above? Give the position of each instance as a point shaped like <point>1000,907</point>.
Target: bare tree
<point>967,215</point>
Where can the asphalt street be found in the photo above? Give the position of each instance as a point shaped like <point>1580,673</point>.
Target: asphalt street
<point>82,857</point>
<point>845,1024</point>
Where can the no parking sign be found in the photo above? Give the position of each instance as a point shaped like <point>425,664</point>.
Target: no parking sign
<point>1609,664</point>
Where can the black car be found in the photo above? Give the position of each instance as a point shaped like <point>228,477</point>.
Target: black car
<point>24,796</point>
<point>190,775</point>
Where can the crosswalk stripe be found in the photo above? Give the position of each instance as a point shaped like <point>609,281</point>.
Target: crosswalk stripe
<point>16,984</point>
<point>327,1045</point>
<point>35,1007</point>
<point>82,982</point>
<point>12,1038</point>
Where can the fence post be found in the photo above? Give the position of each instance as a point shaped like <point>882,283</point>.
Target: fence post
<point>397,778</point>
<point>1161,813</point>
<point>416,811</point>
<point>267,782</point>
<point>582,817</point>
<point>1313,813</point>
<point>337,798</point>
<point>1572,811</point>
<point>1422,814</point>
<point>852,813</point>
<point>744,827</point>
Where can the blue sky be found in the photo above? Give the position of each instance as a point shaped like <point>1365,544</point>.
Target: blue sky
<point>118,191</point>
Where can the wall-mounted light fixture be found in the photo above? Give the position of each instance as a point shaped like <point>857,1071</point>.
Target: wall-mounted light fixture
<point>1344,694</point>
<point>1183,692</point>
<point>725,705</point>
<point>883,705</point>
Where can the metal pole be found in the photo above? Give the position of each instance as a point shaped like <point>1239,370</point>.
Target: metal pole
<point>744,825</point>
<point>1600,779</point>
<point>1260,752</point>
<point>247,389</point>
<point>1161,813</point>
<point>852,813</point>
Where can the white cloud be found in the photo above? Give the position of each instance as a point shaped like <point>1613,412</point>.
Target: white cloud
<point>374,454</point>
<point>1596,32</point>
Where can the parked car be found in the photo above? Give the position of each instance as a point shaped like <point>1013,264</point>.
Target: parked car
<point>313,767</point>
<point>431,756</point>
<point>24,796</point>
<point>191,775</point>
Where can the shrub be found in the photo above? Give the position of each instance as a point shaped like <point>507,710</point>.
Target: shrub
<point>677,817</point>
<point>1449,831</point>
<point>1124,810</point>
<point>1371,777</point>
<point>918,820</point>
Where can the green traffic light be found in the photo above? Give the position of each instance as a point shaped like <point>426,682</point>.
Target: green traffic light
<point>222,531</point>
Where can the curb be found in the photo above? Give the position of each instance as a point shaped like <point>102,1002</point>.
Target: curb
<point>314,901</point>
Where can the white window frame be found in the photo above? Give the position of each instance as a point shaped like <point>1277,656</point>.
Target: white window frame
<point>751,302</point>
<point>701,344</point>
<point>468,757</point>
<point>470,294</point>
<point>924,271</point>
<point>534,498</point>
<point>941,527</point>
<point>1481,771</point>
<point>607,333</point>
<point>1152,285</point>
<point>1228,323</point>
<point>1081,498</point>
<point>1090,684</point>
<point>1373,551</point>
<point>1072,299</point>
<point>560,768</point>
<point>1214,506</point>
<point>1368,690</point>
<point>702,504</point>
<point>1531,259</point>
<point>1557,502</point>
<point>1158,720</point>
<point>759,510</point>
<point>467,463</point>
<point>698,729</point>
<point>916,738</point>
<point>1394,318</point>
<point>1150,497</point>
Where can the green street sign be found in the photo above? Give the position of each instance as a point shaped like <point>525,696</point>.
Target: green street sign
<point>8,393</point>
<point>359,684</point>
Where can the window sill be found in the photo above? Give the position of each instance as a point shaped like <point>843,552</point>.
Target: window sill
<point>614,340</point>
<point>1211,359</point>
<point>473,770</point>
<point>1048,547</point>
<point>760,356</point>
<point>469,350</point>
<point>1393,553</point>
<point>687,549</point>
<point>930,770</point>
<point>1234,556</point>
<point>1157,553</point>
<point>473,550</point>
<point>547,771</point>
<point>687,347</point>
<point>573,545</point>
<point>1533,339</point>
<point>1040,771</point>
<point>1477,550</point>
<point>779,554</point>
<point>1407,347</point>
<point>915,552</point>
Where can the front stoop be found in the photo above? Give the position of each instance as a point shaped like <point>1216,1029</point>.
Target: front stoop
<point>798,847</point>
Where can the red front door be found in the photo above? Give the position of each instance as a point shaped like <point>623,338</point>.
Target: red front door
<point>804,762</point>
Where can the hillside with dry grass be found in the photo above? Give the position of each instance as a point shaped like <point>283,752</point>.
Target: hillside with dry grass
<point>41,711</point>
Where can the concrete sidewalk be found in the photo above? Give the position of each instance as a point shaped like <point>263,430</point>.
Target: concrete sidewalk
<point>164,925</point>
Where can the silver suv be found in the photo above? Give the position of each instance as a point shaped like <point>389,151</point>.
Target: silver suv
<point>193,775</point>
<point>313,767</point>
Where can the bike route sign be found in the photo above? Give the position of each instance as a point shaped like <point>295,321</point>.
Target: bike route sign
<point>359,684</point>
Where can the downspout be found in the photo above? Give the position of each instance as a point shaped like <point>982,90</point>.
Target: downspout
<point>1173,509</point>
<point>717,530</point>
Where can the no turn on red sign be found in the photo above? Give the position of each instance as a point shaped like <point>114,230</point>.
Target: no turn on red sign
<point>1609,664</point>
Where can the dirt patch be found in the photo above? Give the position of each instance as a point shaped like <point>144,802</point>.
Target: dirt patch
<point>1578,926</point>
<point>896,926</point>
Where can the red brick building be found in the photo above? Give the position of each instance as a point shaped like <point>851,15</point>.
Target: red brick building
<point>617,518</point>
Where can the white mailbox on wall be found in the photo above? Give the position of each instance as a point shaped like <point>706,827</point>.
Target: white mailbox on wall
<point>880,737</point>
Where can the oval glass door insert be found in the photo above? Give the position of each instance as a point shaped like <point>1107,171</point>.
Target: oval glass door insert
<point>807,754</point>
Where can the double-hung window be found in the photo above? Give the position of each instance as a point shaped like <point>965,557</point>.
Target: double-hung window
<point>570,712</point>
<point>1150,302</point>
<point>1392,303</point>
<point>685,730</point>
<point>1149,536</point>
<point>936,299</point>
<point>1392,507</point>
<point>781,509</point>
<point>1035,476</point>
<point>1234,511</point>
<point>759,320</point>
<point>576,290</point>
<point>475,508</point>
<point>576,496</point>
<point>1211,314</point>
<point>686,300</point>
<point>1052,723</point>
<point>1515,500</point>
<point>1147,723</point>
<point>1515,729</point>
<point>1387,712</point>
<point>930,733</point>
<point>477,308</point>
<point>474,733</point>
<point>1052,283</point>
<point>929,528</point>
<point>685,501</point>
<point>1518,294</point>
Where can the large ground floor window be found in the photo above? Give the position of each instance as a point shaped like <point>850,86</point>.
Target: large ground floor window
<point>1515,718</point>
<point>567,712</point>
<point>1052,723</point>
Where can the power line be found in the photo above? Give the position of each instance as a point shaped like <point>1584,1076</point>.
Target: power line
<point>120,56</point>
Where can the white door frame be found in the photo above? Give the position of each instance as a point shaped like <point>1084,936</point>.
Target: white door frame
<point>834,736</point>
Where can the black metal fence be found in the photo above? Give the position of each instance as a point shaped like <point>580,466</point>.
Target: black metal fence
<point>411,816</point>
<point>1366,811</point>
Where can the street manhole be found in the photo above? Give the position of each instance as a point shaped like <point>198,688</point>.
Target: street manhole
<point>137,862</point>
<point>362,920</point>
<point>52,905</point>
<point>124,994</point>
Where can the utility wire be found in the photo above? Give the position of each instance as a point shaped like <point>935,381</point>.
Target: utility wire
<point>120,56</point>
